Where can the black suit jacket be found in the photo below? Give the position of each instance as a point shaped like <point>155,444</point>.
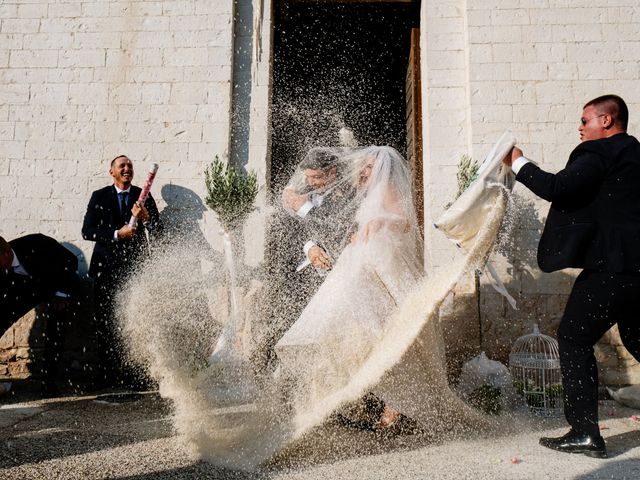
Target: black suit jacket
<point>594,219</point>
<point>103,218</point>
<point>51,266</point>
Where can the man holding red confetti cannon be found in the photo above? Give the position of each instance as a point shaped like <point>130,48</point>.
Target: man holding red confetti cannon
<point>119,247</point>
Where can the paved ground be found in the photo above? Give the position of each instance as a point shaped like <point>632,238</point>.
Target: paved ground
<point>80,438</point>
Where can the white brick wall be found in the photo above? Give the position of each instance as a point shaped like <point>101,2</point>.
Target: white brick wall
<point>83,81</point>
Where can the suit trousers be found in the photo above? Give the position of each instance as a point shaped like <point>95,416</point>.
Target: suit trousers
<point>597,301</point>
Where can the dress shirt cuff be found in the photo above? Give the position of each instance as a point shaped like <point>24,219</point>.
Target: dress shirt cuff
<point>304,209</point>
<point>308,246</point>
<point>115,235</point>
<point>518,163</point>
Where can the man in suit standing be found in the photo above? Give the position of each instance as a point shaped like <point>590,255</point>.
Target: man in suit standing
<point>35,269</point>
<point>593,224</point>
<point>117,250</point>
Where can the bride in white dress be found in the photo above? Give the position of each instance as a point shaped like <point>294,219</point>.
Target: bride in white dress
<point>348,315</point>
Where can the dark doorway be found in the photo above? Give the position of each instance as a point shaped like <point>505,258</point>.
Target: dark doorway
<point>338,64</point>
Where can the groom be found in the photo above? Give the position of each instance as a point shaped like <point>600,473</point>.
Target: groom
<point>306,239</point>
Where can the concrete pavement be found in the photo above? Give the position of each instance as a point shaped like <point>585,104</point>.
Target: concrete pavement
<point>81,438</point>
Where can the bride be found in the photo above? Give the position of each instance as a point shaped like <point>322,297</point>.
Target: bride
<point>348,315</point>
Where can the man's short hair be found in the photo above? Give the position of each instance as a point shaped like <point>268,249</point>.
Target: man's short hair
<point>113,162</point>
<point>4,245</point>
<point>319,158</point>
<point>614,106</point>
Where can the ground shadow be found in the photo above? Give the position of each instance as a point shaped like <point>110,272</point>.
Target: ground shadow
<point>82,427</point>
<point>624,469</point>
<point>200,470</point>
<point>622,443</point>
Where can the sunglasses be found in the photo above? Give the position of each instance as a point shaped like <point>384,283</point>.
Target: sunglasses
<point>584,121</point>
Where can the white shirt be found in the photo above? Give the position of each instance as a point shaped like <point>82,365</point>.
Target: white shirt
<point>315,201</point>
<point>518,163</point>
<point>17,266</point>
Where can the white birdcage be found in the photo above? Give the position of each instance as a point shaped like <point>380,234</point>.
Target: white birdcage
<point>534,363</point>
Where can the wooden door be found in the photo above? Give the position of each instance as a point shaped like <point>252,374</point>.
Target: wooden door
<point>414,124</point>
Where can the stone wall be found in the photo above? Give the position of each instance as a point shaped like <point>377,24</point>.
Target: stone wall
<point>22,348</point>
<point>83,81</point>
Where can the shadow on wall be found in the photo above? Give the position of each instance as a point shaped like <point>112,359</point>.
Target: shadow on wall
<point>481,319</point>
<point>181,215</point>
<point>540,297</point>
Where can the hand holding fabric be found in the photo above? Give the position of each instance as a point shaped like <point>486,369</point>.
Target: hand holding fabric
<point>516,153</point>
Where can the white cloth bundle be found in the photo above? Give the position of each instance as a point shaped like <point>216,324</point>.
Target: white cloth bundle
<point>465,217</point>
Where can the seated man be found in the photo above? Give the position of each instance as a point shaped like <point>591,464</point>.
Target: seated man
<point>35,269</point>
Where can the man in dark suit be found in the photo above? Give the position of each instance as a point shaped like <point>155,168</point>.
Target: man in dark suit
<point>593,224</point>
<point>117,251</point>
<point>304,238</point>
<point>35,269</point>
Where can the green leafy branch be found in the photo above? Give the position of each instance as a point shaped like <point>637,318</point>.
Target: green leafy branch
<point>230,193</point>
<point>467,173</point>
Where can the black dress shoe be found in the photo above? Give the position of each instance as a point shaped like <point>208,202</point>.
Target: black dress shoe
<point>574,442</point>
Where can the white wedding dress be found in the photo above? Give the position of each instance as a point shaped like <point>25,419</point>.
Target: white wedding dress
<point>348,315</point>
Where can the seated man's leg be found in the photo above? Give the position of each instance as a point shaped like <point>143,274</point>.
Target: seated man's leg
<point>586,318</point>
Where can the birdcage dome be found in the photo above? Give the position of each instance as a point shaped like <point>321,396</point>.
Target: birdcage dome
<point>535,350</point>
<point>534,363</point>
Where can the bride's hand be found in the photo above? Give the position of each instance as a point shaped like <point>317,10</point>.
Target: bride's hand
<point>370,228</point>
<point>319,258</point>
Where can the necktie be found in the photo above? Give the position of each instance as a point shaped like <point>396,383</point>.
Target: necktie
<point>123,204</point>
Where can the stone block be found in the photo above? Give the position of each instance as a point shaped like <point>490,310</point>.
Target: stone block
<point>66,9</point>
<point>82,58</point>
<point>23,353</point>
<point>7,354</point>
<point>89,93</point>
<point>125,94</point>
<point>579,33</point>
<point>23,329</point>
<point>19,369</point>
<point>20,25</point>
<point>183,7</point>
<point>596,70</point>
<point>613,336</point>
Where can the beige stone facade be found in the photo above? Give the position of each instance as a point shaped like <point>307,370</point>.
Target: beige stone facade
<point>84,81</point>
